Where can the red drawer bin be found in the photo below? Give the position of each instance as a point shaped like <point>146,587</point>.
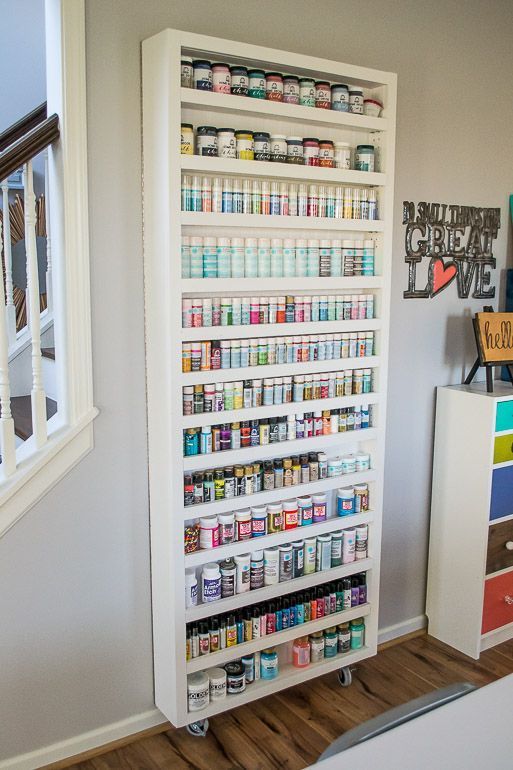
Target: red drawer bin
<point>498,602</point>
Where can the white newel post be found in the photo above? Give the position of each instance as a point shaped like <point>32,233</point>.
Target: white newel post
<point>49,292</point>
<point>10,310</point>
<point>7,440</point>
<point>38,396</point>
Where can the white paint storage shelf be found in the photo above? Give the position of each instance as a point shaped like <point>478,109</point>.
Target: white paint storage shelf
<point>165,106</point>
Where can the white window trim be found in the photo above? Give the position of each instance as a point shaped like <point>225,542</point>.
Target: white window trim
<point>71,431</point>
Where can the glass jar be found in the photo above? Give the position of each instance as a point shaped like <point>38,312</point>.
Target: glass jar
<point>316,647</point>
<point>307,92</point>
<point>202,75</point>
<point>356,100</point>
<point>221,78</point>
<point>364,157</point>
<point>256,87</point>
<point>326,153</point>
<point>239,80</point>
<point>322,95</point>
<point>301,652</point>
<point>311,152</point>
<point>357,628</point>
<point>274,87</point>
<point>279,148</point>
<point>330,642</point>
<point>290,89</point>
<point>269,663</point>
<point>342,155</point>
<point>206,141</point>
<point>295,150</point>
<point>245,147</point>
<point>340,97</point>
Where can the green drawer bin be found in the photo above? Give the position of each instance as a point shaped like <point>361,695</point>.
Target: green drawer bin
<point>504,416</point>
<point>503,449</point>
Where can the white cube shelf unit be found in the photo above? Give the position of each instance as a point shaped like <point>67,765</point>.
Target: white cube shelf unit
<point>165,106</point>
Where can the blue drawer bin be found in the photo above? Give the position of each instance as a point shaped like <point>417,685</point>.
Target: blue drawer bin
<point>501,503</point>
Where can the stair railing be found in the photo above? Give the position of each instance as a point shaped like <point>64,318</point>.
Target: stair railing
<point>19,145</point>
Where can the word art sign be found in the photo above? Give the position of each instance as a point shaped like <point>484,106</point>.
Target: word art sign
<point>456,243</point>
<point>494,336</point>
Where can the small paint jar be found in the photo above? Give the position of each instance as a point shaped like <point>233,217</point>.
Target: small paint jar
<point>305,511</point>
<point>269,663</point>
<point>271,566</point>
<point>243,524</point>
<point>217,683</point>
<point>307,92</point>
<point>202,75</point>
<point>235,678</point>
<point>197,691</point>
<point>226,144</point>
<point>191,588</point>
<point>261,141</point>
<point>348,464</point>
<point>206,141</point>
<point>259,521</point>
<point>361,541</point>
<point>209,532</point>
<point>290,514</point>
<point>340,97</point>
<point>274,87</point>
<point>364,157</point>
<point>187,139</point>
<point>326,153</point>
<point>362,462</point>
<point>191,537</point>
<point>323,553</point>
<point>248,661</point>
<point>240,80</point>
<point>186,76</point>
<point>311,152</point>
<point>274,517</point>
<point>372,108</point>
<point>301,652</point>
<point>330,642</point>
<point>357,628</point>
<point>245,148</point>
<point>256,87</point>
<point>344,638</point>
<point>342,155</point>
<point>316,647</point>
<point>295,150</point>
<point>278,147</point>
<point>322,95</point>
<point>210,582</point>
<point>285,563</point>
<point>319,508</point>
<point>290,89</point>
<point>226,528</point>
<point>361,498</point>
<point>221,78</point>
<point>345,501</point>
<point>356,100</point>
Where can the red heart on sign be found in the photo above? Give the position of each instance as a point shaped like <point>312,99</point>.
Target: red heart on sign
<point>442,275</point>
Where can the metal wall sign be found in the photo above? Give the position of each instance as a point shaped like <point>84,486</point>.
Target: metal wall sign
<point>456,242</point>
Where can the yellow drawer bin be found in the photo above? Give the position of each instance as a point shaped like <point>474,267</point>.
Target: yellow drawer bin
<point>503,449</point>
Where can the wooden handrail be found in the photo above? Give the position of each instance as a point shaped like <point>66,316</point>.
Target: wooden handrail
<point>22,126</point>
<point>28,146</point>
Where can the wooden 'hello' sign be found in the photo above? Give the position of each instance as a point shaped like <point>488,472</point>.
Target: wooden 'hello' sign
<point>494,340</point>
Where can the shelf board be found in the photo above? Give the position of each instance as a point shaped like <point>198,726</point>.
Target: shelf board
<point>252,286</point>
<point>287,677</point>
<point>268,221</point>
<point>288,329</point>
<point>281,637</point>
<point>333,524</point>
<point>278,410</point>
<point>273,495</point>
<point>279,370</point>
<point>204,165</point>
<point>268,451</point>
<point>247,106</point>
<point>270,592</point>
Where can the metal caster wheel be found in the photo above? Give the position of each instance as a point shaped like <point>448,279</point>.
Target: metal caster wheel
<point>345,676</point>
<point>199,729</point>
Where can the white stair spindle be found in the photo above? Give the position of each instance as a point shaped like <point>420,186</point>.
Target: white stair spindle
<point>10,309</point>
<point>38,396</point>
<point>7,440</point>
<point>49,291</point>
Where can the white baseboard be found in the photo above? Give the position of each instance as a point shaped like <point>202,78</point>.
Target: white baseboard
<point>401,629</point>
<point>126,727</point>
<point>85,742</point>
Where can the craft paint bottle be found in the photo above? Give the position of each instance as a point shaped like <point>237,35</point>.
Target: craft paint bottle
<point>257,84</point>
<point>245,146</point>
<point>271,566</point>
<point>255,623</point>
<point>231,631</point>
<point>250,258</point>
<point>191,588</point>
<point>186,72</point>
<point>310,551</point>
<point>285,565</point>
<point>307,92</point>
<point>197,691</point>
<point>210,582</point>
<point>239,80</point>
<point>336,549</point>
<point>227,198</point>
<point>302,202</point>
<point>269,663</point>
<point>237,204</point>
<point>362,588</point>
<point>330,642</point>
<point>349,545</point>
<point>256,570</point>
<point>293,200</point>
<point>242,562</point>
<point>202,75</point>
<point>247,203</point>
<point>373,205</point>
<point>256,201</point>
<point>186,204</point>
<point>217,195</point>
<point>298,559</point>
<point>323,555</point>
<point>361,541</point>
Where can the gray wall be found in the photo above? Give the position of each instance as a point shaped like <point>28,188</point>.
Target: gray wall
<point>75,596</point>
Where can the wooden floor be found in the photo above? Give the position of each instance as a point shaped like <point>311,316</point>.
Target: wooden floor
<point>291,729</point>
